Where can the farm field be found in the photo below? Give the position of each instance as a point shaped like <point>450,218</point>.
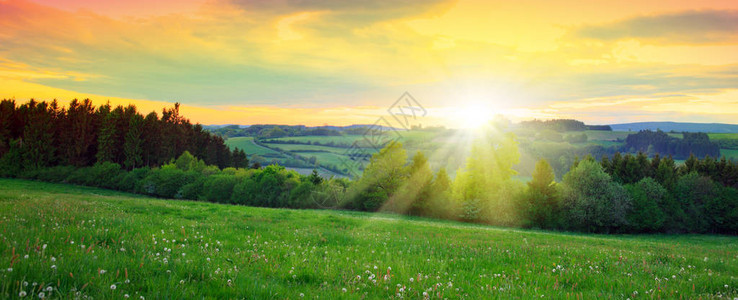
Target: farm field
<point>247,145</point>
<point>70,242</point>
<point>729,153</point>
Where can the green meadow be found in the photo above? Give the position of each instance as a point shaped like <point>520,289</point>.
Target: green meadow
<point>63,241</point>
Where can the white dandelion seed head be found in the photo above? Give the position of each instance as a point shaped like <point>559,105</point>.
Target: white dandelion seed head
<point>113,287</point>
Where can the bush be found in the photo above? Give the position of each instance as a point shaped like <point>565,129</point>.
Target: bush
<point>219,188</point>
<point>104,175</point>
<point>131,181</point>
<point>167,181</point>
<point>55,174</point>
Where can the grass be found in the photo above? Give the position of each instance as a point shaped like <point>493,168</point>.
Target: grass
<point>307,148</point>
<point>247,145</point>
<point>68,241</point>
<point>729,153</point>
<point>723,136</point>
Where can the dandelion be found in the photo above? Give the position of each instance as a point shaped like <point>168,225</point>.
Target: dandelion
<point>53,267</point>
<point>302,295</point>
<point>53,258</point>
<point>41,295</point>
<point>10,269</point>
<point>344,290</point>
<point>113,287</point>
<point>25,256</point>
<point>126,296</point>
<point>411,279</point>
<point>22,294</point>
<point>49,289</point>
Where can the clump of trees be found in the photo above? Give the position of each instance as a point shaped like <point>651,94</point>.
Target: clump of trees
<point>38,135</point>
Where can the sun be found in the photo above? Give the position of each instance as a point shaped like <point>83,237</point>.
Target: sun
<point>474,115</point>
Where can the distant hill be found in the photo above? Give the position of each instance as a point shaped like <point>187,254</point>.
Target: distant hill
<point>677,126</point>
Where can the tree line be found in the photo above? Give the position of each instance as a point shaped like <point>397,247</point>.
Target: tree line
<point>619,194</point>
<point>562,125</point>
<point>697,143</point>
<point>43,134</point>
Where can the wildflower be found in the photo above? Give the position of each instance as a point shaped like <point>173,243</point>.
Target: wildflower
<point>181,281</point>
<point>302,295</point>
<point>10,269</point>
<point>22,294</point>
<point>343,289</point>
<point>53,266</point>
<point>44,248</point>
<point>49,289</point>
<point>53,258</point>
<point>126,296</point>
<point>113,287</point>
<point>25,256</point>
<point>41,295</point>
<point>411,279</point>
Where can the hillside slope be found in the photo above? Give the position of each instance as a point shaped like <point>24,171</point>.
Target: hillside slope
<point>66,241</point>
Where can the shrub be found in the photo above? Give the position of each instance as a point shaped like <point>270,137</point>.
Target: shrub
<point>55,174</point>
<point>219,188</point>
<point>167,181</point>
<point>132,180</point>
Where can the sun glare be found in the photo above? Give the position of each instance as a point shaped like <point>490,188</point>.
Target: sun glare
<point>474,115</point>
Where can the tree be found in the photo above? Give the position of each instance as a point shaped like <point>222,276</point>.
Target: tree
<point>384,174</point>
<point>415,193</point>
<point>80,136</point>
<point>540,203</point>
<point>592,201</point>
<point>483,188</point>
<point>648,199</point>
<point>38,143</point>
<point>239,159</point>
<point>106,138</point>
<point>693,191</point>
<point>132,146</point>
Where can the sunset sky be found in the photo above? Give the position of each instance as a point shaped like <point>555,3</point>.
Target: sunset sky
<point>345,62</point>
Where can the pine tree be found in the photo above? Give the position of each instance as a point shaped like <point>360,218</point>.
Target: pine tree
<point>133,145</point>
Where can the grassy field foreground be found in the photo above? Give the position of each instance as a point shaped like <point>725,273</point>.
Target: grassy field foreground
<point>63,241</point>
